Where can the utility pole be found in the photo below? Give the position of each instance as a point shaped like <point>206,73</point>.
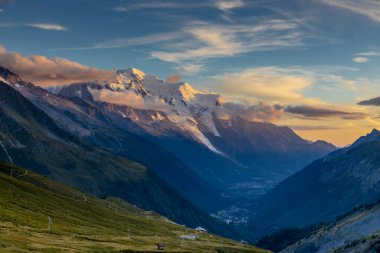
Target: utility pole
<point>50,221</point>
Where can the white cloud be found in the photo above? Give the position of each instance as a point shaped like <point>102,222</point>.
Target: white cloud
<point>368,53</point>
<point>290,85</point>
<point>50,71</point>
<point>227,5</point>
<point>189,69</point>
<point>270,84</point>
<point>45,26</point>
<point>360,59</point>
<point>368,8</point>
<point>129,98</point>
<point>260,112</point>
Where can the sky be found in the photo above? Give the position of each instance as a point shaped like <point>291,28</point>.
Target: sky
<point>311,65</point>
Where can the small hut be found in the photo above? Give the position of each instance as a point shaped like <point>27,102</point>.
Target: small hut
<point>160,246</point>
<point>201,230</point>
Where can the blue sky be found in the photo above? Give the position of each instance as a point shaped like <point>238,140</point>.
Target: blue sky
<point>319,53</point>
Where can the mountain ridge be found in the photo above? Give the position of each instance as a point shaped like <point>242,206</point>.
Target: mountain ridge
<point>323,190</point>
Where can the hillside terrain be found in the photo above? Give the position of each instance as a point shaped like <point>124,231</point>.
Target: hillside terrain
<point>358,231</point>
<point>83,223</point>
<point>323,190</point>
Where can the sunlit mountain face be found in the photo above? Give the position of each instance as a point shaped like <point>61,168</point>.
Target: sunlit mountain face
<point>244,117</point>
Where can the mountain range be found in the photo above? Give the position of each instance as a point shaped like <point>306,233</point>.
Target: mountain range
<point>179,132</point>
<point>226,150</point>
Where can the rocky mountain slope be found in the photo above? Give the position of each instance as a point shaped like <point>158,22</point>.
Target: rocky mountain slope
<point>357,232</point>
<point>84,223</point>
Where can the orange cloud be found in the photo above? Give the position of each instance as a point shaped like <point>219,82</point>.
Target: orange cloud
<point>46,71</point>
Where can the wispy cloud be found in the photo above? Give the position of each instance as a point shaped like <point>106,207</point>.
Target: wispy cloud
<point>154,5</point>
<point>371,102</point>
<point>223,5</point>
<point>46,26</point>
<point>196,41</point>
<point>369,53</point>
<point>189,69</point>
<point>142,40</point>
<point>368,8</point>
<point>50,71</point>
<point>130,42</point>
<point>321,112</point>
<point>42,26</point>
<point>210,41</point>
<point>228,5</point>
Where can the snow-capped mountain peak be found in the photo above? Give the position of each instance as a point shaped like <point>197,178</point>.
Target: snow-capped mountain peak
<point>184,106</point>
<point>131,73</point>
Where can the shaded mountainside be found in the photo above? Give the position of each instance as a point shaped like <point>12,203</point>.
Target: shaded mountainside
<point>323,190</point>
<point>30,138</point>
<point>84,223</point>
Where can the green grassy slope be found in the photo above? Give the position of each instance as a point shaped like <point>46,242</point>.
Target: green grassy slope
<point>83,223</point>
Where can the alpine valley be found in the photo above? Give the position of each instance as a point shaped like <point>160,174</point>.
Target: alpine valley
<point>180,133</point>
<point>185,154</point>
<point>202,126</point>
